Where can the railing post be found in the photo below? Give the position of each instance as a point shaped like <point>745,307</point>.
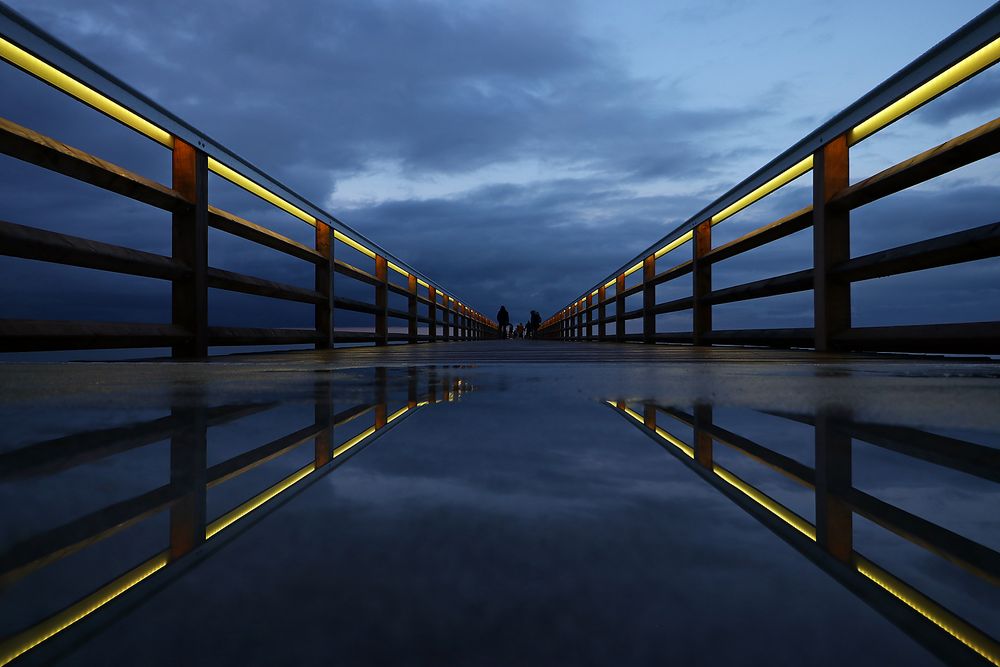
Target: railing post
<point>602,313</point>
<point>381,398</point>
<point>702,439</point>
<point>834,518</point>
<point>432,313</point>
<point>444,318</point>
<point>322,413</point>
<point>381,301</point>
<point>590,317</point>
<point>579,319</point>
<point>465,323</point>
<point>648,300</point>
<point>188,474</point>
<point>831,244</point>
<point>620,308</point>
<point>189,295</point>
<point>649,417</point>
<point>411,308</point>
<point>324,309</point>
<point>701,274</point>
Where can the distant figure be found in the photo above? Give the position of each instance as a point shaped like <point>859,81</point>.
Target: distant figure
<point>503,319</point>
<point>519,333</point>
<point>534,323</point>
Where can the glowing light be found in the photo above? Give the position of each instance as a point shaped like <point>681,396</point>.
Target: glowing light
<point>422,283</point>
<point>676,442</point>
<point>676,243</point>
<point>423,403</point>
<point>236,178</point>
<point>395,415</point>
<point>353,441</point>
<point>231,517</point>
<point>632,269</point>
<point>768,503</point>
<point>935,613</point>
<point>610,283</point>
<point>927,91</point>
<point>396,268</point>
<point>347,240</point>
<point>778,181</point>
<point>28,639</point>
<point>42,70</point>
<point>594,293</point>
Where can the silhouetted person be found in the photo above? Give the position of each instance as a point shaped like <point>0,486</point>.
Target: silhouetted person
<point>503,319</point>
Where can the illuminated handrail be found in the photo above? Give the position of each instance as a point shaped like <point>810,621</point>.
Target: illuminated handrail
<point>964,54</point>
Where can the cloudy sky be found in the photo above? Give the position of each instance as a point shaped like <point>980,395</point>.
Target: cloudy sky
<point>516,152</point>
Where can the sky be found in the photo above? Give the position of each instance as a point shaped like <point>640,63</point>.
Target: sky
<point>515,152</point>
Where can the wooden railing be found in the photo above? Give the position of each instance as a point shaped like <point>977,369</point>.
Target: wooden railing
<point>828,541</point>
<point>395,394</point>
<point>194,156</point>
<point>825,153</point>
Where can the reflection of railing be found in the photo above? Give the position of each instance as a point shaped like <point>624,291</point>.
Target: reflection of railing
<point>194,157</point>
<point>185,495</point>
<point>825,153</point>
<point>829,542</point>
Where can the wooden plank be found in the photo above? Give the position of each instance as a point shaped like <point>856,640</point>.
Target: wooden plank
<point>681,269</point>
<point>620,307</point>
<point>323,287</point>
<point>45,246</point>
<point>767,337</point>
<point>790,224</point>
<point>237,226</point>
<point>411,308</point>
<point>30,146</point>
<point>37,335</point>
<point>381,301</point>
<point>237,282</point>
<point>684,303</point>
<point>701,283</point>
<point>189,246</point>
<point>966,338</point>
<point>241,463</point>
<point>831,243</point>
<point>354,305</point>
<point>960,151</point>
<point>345,269</point>
<point>965,246</point>
<point>834,518</point>
<point>260,336</point>
<point>798,281</point>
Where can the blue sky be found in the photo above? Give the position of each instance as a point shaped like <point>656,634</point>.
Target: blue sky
<point>517,152</point>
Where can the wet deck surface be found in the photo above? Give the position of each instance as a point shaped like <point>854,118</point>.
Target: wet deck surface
<point>510,508</point>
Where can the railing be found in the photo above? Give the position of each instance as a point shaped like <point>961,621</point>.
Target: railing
<point>194,156</point>
<point>829,541</point>
<point>184,498</point>
<point>825,153</point>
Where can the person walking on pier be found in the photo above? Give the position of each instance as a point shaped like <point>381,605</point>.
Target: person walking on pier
<point>503,319</point>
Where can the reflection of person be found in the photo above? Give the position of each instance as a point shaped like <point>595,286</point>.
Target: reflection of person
<point>503,319</point>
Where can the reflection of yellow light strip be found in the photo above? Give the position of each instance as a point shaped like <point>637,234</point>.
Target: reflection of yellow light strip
<point>352,243</point>
<point>235,515</point>
<point>949,78</point>
<point>396,268</point>
<point>82,92</point>
<point>632,269</point>
<point>676,442</point>
<point>32,637</point>
<point>353,441</point>
<point>633,414</point>
<point>236,178</point>
<point>935,613</point>
<point>396,414</point>
<point>768,503</point>
<point>423,403</point>
<point>778,181</point>
<point>676,243</point>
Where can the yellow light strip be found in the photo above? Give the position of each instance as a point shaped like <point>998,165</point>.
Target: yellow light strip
<point>423,403</point>
<point>354,244</point>
<point>973,638</point>
<point>42,70</point>
<point>342,449</point>
<point>610,283</point>
<point>768,503</point>
<point>422,283</point>
<point>676,243</point>
<point>235,515</point>
<point>949,78</point>
<point>778,181</point>
<point>594,293</point>
<point>396,414</point>
<point>35,635</point>
<point>632,269</point>
<point>236,178</point>
<point>396,268</point>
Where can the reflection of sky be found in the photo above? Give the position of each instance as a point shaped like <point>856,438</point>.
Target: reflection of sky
<point>527,523</point>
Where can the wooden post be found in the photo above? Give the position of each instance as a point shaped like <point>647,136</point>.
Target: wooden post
<point>649,417</point>
<point>579,320</point>
<point>381,301</point>
<point>701,274</point>
<point>322,414</point>
<point>411,387</point>
<point>702,439</point>
<point>831,244</point>
<point>590,317</point>
<point>324,309</point>
<point>188,461</point>
<point>620,308</point>
<point>432,313</point>
<point>189,295</point>
<point>381,398</point>
<point>834,519</point>
<point>411,308</point>
<point>444,318</point>
<point>648,300</point>
<point>602,312</point>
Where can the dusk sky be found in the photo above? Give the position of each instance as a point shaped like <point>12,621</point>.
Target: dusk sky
<point>517,152</point>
